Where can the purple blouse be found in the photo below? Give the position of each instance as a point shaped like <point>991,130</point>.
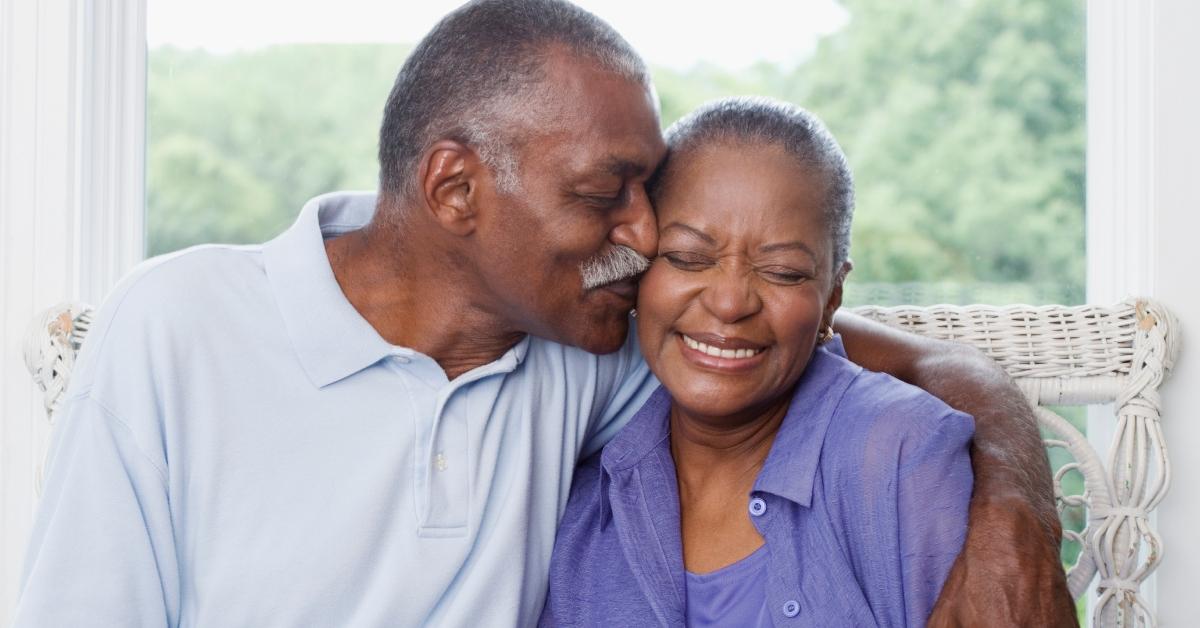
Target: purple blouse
<point>861,502</point>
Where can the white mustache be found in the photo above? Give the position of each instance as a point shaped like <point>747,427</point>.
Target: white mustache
<point>617,263</point>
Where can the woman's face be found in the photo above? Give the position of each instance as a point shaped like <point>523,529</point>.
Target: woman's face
<point>729,313</point>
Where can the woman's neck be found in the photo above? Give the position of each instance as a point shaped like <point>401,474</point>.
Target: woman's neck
<point>716,464</point>
<point>714,454</point>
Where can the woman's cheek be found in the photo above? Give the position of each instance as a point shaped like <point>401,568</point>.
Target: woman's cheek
<point>655,314</point>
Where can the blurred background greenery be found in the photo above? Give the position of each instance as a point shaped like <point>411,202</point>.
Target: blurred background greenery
<point>963,121</point>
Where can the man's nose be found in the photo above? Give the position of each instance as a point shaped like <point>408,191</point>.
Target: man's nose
<point>730,294</point>
<point>636,227</point>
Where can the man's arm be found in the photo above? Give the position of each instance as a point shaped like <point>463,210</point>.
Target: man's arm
<point>102,551</point>
<point>1009,572</point>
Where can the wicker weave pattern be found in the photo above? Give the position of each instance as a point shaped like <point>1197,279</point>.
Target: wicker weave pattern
<point>1028,341</point>
<point>1078,356</point>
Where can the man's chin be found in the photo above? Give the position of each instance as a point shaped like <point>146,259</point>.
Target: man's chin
<point>606,339</point>
<point>602,349</point>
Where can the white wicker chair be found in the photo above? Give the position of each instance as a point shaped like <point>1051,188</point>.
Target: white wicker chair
<point>1081,355</point>
<point>1085,355</point>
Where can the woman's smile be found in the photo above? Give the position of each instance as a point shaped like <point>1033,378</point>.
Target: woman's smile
<point>721,354</point>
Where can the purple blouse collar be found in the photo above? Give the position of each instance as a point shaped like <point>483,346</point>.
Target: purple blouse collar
<point>790,468</point>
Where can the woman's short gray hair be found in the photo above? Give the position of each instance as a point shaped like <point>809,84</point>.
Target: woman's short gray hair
<point>759,120</point>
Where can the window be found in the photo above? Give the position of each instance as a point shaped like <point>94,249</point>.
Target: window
<point>963,121</point>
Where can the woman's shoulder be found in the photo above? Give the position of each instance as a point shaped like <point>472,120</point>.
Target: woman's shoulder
<point>911,408</point>
<point>878,413</point>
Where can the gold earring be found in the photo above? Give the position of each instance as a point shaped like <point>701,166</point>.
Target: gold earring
<point>826,335</point>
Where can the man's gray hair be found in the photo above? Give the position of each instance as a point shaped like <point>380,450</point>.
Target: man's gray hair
<point>472,76</point>
<point>758,120</point>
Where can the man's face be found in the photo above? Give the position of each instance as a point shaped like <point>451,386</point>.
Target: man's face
<point>582,192</point>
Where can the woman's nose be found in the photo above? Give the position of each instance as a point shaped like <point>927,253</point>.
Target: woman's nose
<point>731,295</point>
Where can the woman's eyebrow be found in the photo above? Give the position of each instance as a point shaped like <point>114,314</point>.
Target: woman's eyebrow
<point>794,245</point>
<point>679,226</point>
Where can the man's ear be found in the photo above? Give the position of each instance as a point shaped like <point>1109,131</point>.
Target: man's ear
<point>449,179</point>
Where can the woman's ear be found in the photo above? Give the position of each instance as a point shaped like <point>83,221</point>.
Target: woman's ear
<point>835,294</point>
<point>449,177</point>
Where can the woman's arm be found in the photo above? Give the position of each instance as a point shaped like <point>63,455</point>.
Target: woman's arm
<point>1009,572</point>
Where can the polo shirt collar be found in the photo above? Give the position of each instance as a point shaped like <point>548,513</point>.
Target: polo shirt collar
<point>331,338</point>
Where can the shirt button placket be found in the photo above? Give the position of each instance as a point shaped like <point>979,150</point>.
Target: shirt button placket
<point>446,465</point>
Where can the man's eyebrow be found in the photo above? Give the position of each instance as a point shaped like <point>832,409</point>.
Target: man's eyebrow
<point>679,226</point>
<point>794,245</point>
<point>621,167</point>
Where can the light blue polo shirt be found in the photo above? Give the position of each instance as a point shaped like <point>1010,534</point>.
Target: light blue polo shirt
<point>241,448</point>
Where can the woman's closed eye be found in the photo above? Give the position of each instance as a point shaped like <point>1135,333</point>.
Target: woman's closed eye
<point>783,275</point>
<point>688,261</point>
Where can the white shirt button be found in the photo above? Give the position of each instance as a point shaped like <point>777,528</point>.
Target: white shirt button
<point>758,507</point>
<point>791,608</point>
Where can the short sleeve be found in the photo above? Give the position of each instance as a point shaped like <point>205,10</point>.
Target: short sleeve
<point>102,551</point>
<point>902,489</point>
<point>933,495</point>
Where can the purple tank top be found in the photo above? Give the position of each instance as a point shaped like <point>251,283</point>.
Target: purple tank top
<point>734,595</point>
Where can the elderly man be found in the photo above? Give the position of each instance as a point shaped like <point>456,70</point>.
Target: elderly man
<point>372,420</point>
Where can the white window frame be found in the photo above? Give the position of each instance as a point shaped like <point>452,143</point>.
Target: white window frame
<point>1143,214</point>
<point>1120,190</point>
<point>72,203</point>
<point>72,163</point>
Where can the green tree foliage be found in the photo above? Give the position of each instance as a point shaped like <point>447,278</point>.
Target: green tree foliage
<point>238,142</point>
<point>966,133</point>
<point>963,121</point>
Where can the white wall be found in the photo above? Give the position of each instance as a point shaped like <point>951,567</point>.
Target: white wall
<point>36,241</point>
<point>1143,222</point>
<point>1176,261</point>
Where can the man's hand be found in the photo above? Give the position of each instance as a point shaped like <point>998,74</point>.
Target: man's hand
<point>1009,572</point>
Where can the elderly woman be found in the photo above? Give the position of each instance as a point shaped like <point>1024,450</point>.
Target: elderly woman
<point>769,482</point>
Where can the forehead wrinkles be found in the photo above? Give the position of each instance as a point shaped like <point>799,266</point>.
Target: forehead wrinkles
<point>743,234</point>
<point>600,116</point>
<point>720,192</point>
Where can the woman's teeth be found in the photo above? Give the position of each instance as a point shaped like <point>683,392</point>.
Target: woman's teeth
<point>728,354</point>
